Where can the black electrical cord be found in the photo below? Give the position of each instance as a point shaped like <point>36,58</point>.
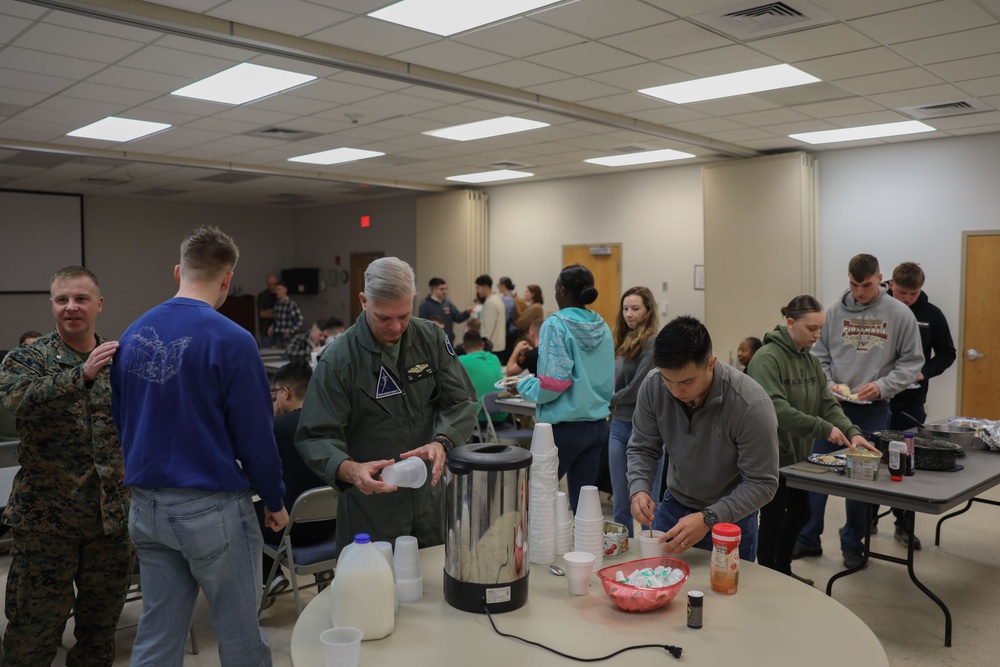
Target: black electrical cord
<point>673,650</point>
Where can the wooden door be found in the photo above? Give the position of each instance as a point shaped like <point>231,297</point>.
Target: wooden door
<point>605,262</point>
<point>980,391</point>
<point>359,262</point>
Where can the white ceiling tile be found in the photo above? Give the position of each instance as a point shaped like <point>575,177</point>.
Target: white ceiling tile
<point>873,118</point>
<point>583,59</point>
<point>813,43</point>
<point>742,135</point>
<point>335,92</point>
<point>919,96</point>
<point>667,40</point>
<point>297,106</point>
<point>293,65</point>
<point>669,115</point>
<point>160,116</point>
<point>394,104</point>
<point>370,81</point>
<point>599,18</point>
<point>967,44</point>
<point>720,61</point>
<point>626,103</point>
<point>229,127</point>
<point>20,98</point>
<point>38,83</point>
<point>516,73</point>
<point>856,63</point>
<point>373,36</point>
<point>645,75</point>
<point>409,125</point>
<point>291,17</point>
<point>186,105</point>
<point>968,68</point>
<point>729,106</point>
<point>803,126</point>
<point>189,45</point>
<point>494,108</point>
<point>952,123</point>
<point>435,94</point>
<point>79,111</point>
<point>47,63</point>
<point>574,90</point>
<point>137,79</point>
<point>959,132</point>
<point>852,9</point>
<point>926,20</point>
<point>192,66</point>
<point>258,116</point>
<point>10,27</point>
<point>768,117</point>
<point>198,6</point>
<point>109,28</point>
<point>21,10</point>
<point>449,56</point>
<point>66,42</point>
<point>845,107</point>
<point>983,87</point>
<point>519,38</point>
<point>887,82</point>
<point>126,97</point>
<point>453,115</point>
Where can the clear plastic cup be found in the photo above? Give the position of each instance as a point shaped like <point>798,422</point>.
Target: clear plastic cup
<point>406,558</point>
<point>410,590</point>
<point>650,546</point>
<point>579,567</point>
<point>409,473</point>
<point>589,504</point>
<point>341,646</point>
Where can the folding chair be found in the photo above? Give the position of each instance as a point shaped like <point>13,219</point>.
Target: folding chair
<point>502,432</point>
<point>319,504</point>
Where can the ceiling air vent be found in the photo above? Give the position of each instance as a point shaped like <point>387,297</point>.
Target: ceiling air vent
<point>510,165</point>
<point>754,20</point>
<point>281,133</point>
<point>955,108</point>
<point>102,181</point>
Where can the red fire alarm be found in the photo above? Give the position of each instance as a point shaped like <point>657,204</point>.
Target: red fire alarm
<point>366,221</point>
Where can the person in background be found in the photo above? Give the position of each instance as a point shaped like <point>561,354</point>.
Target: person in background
<point>437,304</point>
<point>68,509</point>
<point>193,409</point>
<point>533,311</point>
<point>29,337</point>
<point>871,343</point>
<point>333,327</point>
<point>907,406</point>
<point>796,384</point>
<point>748,347</point>
<point>524,358</point>
<point>389,388</point>
<point>635,333</point>
<point>287,317</point>
<point>513,307</point>
<point>493,316</point>
<point>474,325</point>
<point>721,436</point>
<point>290,383</point>
<point>301,347</point>
<point>575,379</point>
<point>265,310</point>
<point>484,370</point>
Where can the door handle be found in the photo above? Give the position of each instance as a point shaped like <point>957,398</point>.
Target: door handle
<point>972,355</point>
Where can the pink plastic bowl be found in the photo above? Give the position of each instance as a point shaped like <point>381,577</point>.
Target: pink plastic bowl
<point>633,598</point>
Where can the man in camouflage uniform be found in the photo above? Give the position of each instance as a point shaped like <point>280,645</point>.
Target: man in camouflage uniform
<point>68,508</point>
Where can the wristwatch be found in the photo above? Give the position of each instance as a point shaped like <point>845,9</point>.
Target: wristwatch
<point>445,442</point>
<point>710,518</point>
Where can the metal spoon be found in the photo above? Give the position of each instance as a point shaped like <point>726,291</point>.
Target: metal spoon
<point>556,570</point>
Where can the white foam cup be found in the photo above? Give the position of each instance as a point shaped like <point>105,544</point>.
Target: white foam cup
<point>579,566</point>
<point>589,504</point>
<point>409,473</point>
<point>542,442</point>
<point>650,547</point>
<point>341,646</point>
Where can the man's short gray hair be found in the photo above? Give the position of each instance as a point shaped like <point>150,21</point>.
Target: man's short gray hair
<point>390,279</point>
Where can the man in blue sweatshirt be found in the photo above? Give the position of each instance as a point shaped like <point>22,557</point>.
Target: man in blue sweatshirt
<point>193,409</point>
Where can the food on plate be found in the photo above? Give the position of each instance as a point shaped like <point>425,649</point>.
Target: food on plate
<point>509,383</point>
<point>845,391</point>
<point>827,459</point>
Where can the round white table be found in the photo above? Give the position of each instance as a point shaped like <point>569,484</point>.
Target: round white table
<point>773,620</point>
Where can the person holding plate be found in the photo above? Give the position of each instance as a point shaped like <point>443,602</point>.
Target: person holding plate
<point>795,381</point>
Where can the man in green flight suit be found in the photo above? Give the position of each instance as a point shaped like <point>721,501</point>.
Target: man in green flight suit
<point>388,388</point>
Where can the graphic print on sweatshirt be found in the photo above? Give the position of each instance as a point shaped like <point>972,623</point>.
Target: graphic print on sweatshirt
<point>152,359</point>
<point>865,334</point>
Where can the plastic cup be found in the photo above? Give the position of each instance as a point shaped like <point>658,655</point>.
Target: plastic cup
<point>542,442</point>
<point>410,590</point>
<point>406,558</point>
<point>589,504</point>
<point>409,473</point>
<point>341,646</point>
<point>650,547</point>
<point>579,567</point>
<point>562,507</point>
<point>385,548</point>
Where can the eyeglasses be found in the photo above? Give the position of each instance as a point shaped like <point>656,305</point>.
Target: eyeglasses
<point>274,392</point>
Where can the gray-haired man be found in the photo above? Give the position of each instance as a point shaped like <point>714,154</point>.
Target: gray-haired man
<point>389,388</point>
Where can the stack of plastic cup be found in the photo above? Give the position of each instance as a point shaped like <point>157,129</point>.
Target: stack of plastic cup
<point>406,562</point>
<point>385,548</point>
<point>542,522</point>
<point>588,529</point>
<point>564,524</point>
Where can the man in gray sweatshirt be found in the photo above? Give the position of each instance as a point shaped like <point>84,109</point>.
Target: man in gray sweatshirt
<point>871,343</point>
<point>721,437</point>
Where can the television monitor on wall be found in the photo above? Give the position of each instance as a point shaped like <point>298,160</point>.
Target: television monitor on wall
<point>301,281</point>
<point>39,234</point>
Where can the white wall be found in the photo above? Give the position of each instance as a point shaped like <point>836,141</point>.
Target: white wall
<point>910,202</point>
<point>656,215</point>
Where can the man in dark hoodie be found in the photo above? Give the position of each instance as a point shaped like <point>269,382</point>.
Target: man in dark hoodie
<point>437,303</point>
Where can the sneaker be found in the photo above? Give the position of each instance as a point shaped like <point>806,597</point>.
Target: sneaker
<point>874,530</point>
<point>804,580</point>
<point>902,536</point>
<point>799,551</point>
<point>852,558</point>
<point>278,585</point>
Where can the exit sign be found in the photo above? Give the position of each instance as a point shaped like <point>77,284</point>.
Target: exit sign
<point>366,221</point>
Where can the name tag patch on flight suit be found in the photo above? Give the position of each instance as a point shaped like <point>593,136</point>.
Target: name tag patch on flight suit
<point>418,372</point>
<point>386,385</point>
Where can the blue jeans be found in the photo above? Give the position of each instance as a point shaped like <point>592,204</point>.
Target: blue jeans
<point>868,418</point>
<point>670,512</point>
<point>188,539</point>
<point>621,431</point>
<point>580,445</point>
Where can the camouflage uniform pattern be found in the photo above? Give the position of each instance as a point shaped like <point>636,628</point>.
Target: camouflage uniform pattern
<point>68,508</point>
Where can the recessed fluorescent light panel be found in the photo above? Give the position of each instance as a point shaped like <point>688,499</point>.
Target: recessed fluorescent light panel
<point>486,128</point>
<point>118,129</point>
<point>644,157</point>
<point>447,17</point>
<point>490,176</point>
<point>336,156</point>
<point>863,132</point>
<point>243,83</point>
<point>728,85</point>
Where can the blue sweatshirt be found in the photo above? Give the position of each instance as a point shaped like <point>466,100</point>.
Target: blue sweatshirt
<point>576,368</point>
<point>192,404</point>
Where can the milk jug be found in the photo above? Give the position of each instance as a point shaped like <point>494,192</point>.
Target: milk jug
<point>363,595</point>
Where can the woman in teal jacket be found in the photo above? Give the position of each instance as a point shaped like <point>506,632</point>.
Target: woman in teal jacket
<point>794,379</point>
<point>576,377</point>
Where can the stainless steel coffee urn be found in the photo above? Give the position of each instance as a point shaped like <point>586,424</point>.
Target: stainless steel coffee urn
<point>486,545</point>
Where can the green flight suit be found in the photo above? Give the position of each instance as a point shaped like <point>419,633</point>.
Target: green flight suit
<point>364,407</point>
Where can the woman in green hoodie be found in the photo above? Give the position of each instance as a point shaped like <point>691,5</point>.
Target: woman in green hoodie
<point>795,381</point>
